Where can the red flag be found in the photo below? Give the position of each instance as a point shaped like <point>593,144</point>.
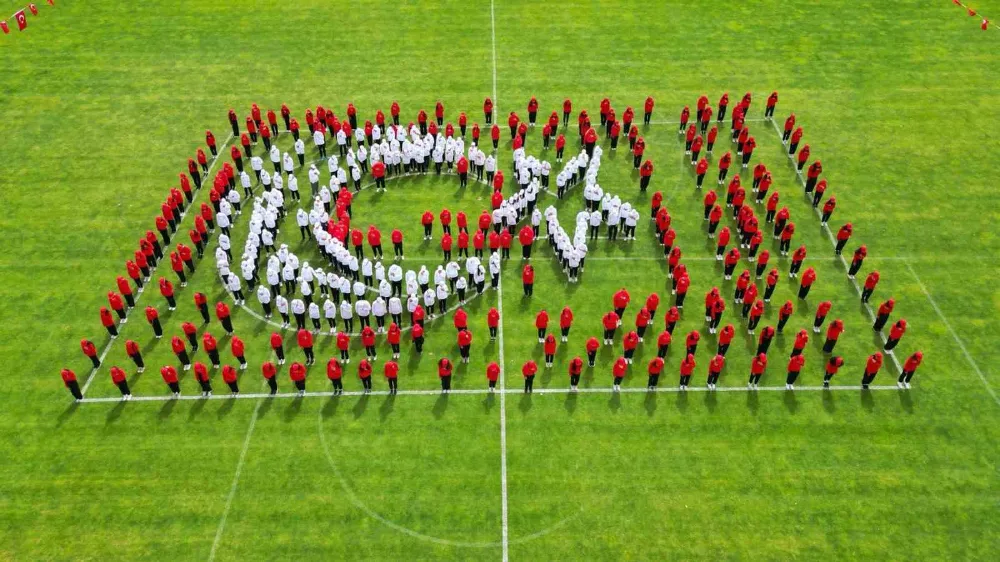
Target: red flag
<point>972,13</point>
<point>34,9</point>
<point>4,27</point>
<point>22,21</point>
<point>51,2</point>
<point>986,23</point>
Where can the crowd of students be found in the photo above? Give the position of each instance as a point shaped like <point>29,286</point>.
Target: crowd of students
<point>337,291</point>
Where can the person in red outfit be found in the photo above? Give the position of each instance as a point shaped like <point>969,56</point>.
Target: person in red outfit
<point>808,278</point>
<point>203,379</point>
<point>177,345</point>
<point>444,373</point>
<point>132,350</point>
<point>120,379</point>
<point>211,347</point>
<point>90,350</point>
<point>896,333</point>
<point>527,279</point>
<point>795,364</point>
<point>784,314</point>
<point>833,334</point>
<point>305,341</point>
<point>757,367</point>
<point>549,348</point>
<point>365,369</point>
<point>464,344</point>
<point>715,366</point>
<point>618,371</point>
<point>297,373</point>
<point>591,346</point>
<point>492,375</point>
<point>687,367</point>
<point>541,324</point>
<point>70,382</point>
<point>610,322</point>
<point>801,339</point>
<point>909,367</point>
<point>830,369</point>
<point>169,374</point>
<point>872,367</point>
<point>821,311</point>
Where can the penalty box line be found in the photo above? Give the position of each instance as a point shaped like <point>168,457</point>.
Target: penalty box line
<point>107,347</point>
<point>485,392</point>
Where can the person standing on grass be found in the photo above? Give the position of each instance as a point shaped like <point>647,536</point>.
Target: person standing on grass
<point>869,287</point>
<point>211,347</point>
<point>202,378</point>
<point>90,350</point>
<point>492,375</point>
<point>884,310</point>
<point>69,380</point>
<point>795,364</point>
<point>169,374</point>
<point>132,350</point>
<point>297,373</point>
<point>872,367</point>
<point>770,283</point>
<point>784,313</point>
<point>909,367</point>
<point>832,366</point>
<point>687,367</point>
<point>528,371</point>
<point>335,373</point>
<point>896,333</point>
<point>444,373</point>
<point>843,236</point>
<point>757,367</point>
<point>821,311</point>
<point>365,375</point>
<point>269,371</point>
<point>120,380</point>
<point>305,341</point>
<point>618,370</point>
<point>391,371</point>
<point>857,261</point>
<point>177,345</point>
<point>808,278</point>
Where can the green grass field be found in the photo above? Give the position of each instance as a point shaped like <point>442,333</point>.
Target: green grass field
<point>103,104</point>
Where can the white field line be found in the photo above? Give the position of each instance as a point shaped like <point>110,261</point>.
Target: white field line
<point>503,402</point>
<point>833,242</point>
<point>107,347</point>
<point>503,391</point>
<point>958,340</point>
<point>236,481</point>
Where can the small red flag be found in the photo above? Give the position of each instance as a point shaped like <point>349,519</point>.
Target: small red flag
<point>986,23</point>
<point>34,9</point>
<point>957,2</point>
<point>51,2</point>
<point>4,27</point>
<point>22,21</point>
<point>972,13</point>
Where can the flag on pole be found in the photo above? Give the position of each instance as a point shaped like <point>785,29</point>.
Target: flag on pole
<point>22,21</point>
<point>51,2</point>
<point>4,27</point>
<point>34,9</point>
<point>986,23</point>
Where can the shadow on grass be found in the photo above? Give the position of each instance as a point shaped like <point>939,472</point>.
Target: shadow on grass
<point>868,401</point>
<point>262,411</point>
<point>525,404</point>
<point>360,406</point>
<point>682,402</point>
<point>829,402</point>
<point>906,401</point>
<point>753,402</point>
<point>489,402</point>
<point>570,403</point>
<point>115,413</point>
<point>650,403</point>
<point>791,402</point>
<point>167,409</point>
<point>67,414</point>
<point>711,402</point>
<point>440,406</point>
<point>615,402</point>
<point>293,409</point>
<point>385,410</point>
<point>330,408</point>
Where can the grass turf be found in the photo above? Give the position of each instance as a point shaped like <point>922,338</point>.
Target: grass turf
<point>103,106</point>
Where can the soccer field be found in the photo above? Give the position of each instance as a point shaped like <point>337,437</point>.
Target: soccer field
<point>103,103</point>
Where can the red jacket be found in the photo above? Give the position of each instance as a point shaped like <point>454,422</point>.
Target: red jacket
<point>808,277</point>
<point>168,373</point>
<point>276,341</point>
<point>913,361</point>
<point>620,367</point>
<point>364,369</point>
<point>528,275</point>
<point>542,320</point>
<point>610,320</point>
<point>367,336</point>
<point>796,363</point>
<point>305,338</point>
<point>872,280</point>
<point>549,347</point>
<point>630,341</point>
<point>823,309</point>
<point>836,328</point>
<point>687,365</point>
<point>592,345</point>
<point>177,344</point>
<point>565,318</point>
<point>493,318</point>
<point>716,364</point>
<point>464,338</point>
<point>874,363</point>
<point>297,372</point>
<point>801,339</point>
<point>208,342</point>
<point>526,236</point>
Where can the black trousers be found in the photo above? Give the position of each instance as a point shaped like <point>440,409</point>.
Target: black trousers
<point>74,389</point>
<point>446,382</point>
<point>529,383</point>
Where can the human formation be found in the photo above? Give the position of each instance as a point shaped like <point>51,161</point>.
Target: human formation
<point>357,292</point>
